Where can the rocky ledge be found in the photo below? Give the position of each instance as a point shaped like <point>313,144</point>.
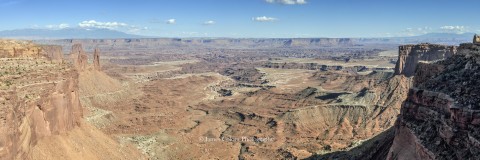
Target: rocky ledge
<point>38,98</point>
<point>441,117</point>
<point>410,55</point>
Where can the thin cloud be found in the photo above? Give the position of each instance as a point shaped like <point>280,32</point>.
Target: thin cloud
<point>59,26</point>
<point>287,2</point>
<point>119,26</point>
<point>135,29</point>
<point>209,22</point>
<point>104,25</point>
<point>455,29</point>
<point>414,31</point>
<point>171,21</point>
<point>264,19</point>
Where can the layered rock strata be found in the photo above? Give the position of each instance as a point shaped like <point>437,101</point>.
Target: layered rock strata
<point>79,57</point>
<point>476,39</point>
<point>96,59</point>
<point>52,52</point>
<point>37,99</point>
<point>441,117</point>
<point>320,67</point>
<point>410,55</point>
<point>12,48</point>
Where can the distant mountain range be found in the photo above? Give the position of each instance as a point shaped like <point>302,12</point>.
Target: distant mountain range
<point>67,33</point>
<point>446,35</point>
<point>83,33</point>
<point>438,38</point>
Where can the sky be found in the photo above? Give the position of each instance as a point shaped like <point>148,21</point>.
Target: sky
<point>247,18</point>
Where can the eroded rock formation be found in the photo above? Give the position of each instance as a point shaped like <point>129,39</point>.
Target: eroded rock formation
<point>410,55</point>
<point>41,101</point>
<point>441,117</point>
<point>52,52</point>
<point>96,59</point>
<point>12,48</point>
<point>245,75</point>
<point>476,39</point>
<point>79,57</point>
<point>26,49</point>
<point>323,67</point>
<point>41,113</point>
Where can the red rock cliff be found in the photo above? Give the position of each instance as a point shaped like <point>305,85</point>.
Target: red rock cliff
<point>13,48</point>
<point>79,57</point>
<point>441,117</point>
<point>37,99</point>
<point>476,39</point>
<point>96,59</point>
<point>52,52</point>
<point>410,55</point>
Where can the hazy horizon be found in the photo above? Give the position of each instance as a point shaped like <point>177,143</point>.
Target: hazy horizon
<point>246,19</point>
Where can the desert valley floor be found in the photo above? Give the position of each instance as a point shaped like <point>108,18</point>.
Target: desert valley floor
<point>216,99</point>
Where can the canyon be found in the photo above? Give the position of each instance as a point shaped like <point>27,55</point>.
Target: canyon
<point>410,55</point>
<point>439,117</point>
<point>41,113</point>
<point>237,99</point>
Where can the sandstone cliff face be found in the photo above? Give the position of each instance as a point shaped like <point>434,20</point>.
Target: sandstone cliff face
<point>24,49</point>
<point>441,117</point>
<point>52,52</point>
<point>13,48</point>
<point>79,57</point>
<point>41,101</point>
<point>41,114</point>
<point>410,55</point>
<point>96,59</point>
<point>476,39</point>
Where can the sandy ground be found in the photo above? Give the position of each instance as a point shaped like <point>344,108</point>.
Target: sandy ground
<point>85,142</point>
<point>183,117</point>
<point>389,53</point>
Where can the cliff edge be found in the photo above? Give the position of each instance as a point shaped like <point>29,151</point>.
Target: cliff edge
<point>441,117</point>
<point>38,99</point>
<point>410,55</point>
<point>41,115</point>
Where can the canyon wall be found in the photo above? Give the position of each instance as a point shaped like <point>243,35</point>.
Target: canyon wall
<point>214,42</point>
<point>440,114</point>
<point>12,48</point>
<point>476,39</point>
<point>410,55</point>
<point>79,58</point>
<point>96,59</point>
<point>38,99</point>
<point>27,49</point>
<point>323,67</point>
<point>52,52</point>
<point>441,117</point>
